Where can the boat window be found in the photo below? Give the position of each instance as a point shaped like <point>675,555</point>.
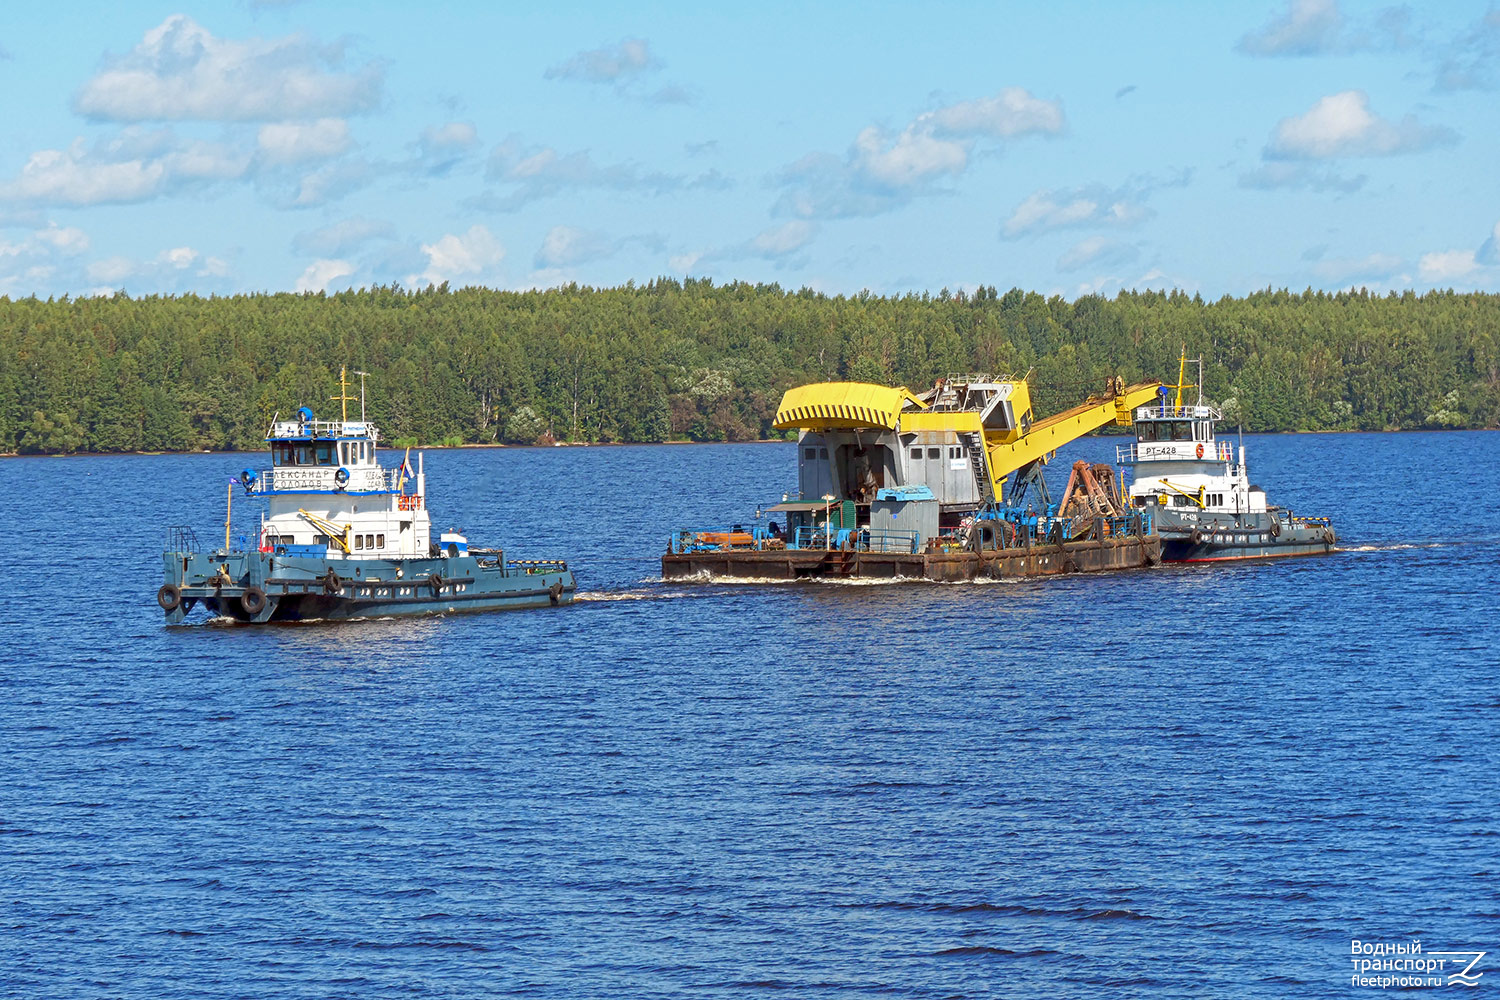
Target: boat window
<point>1145,432</point>
<point>301,455</point>
<point>359,542</point>
<point>380,541</point>
<point>916,453</point>
<point>324,454</point>
<point>822,452</point>
<point>934,453</point>
<point>809,453</point>
<point>1181,431</point>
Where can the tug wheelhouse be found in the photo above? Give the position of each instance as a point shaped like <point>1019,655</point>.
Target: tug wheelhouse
<point>329,495</point>
<point>1207,509</point>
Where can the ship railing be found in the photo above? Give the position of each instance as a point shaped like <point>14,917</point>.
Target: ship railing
<point>1187,412</point>
<point>890,540</point>
<point>719,539</point>
<point>319,428</point>
<point>361,480</point>
<point>181,538</point>
<point>536,566</point>
<point>1129,454</point>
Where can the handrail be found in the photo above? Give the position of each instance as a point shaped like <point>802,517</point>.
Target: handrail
<point>182,538</point>
<point>265,479</point>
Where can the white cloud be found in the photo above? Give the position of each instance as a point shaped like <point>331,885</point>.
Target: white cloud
<point>133,165</point>
<point>544,172</point>
<point>779,241</point>
<point>333,181</point>
<point>58,177</point>
<point>454,256</point>
<point>1319,27</point>
<point>1097,251</point>
<point>444,146</point>
<point>64,239</point>
<point>1375,267</point>
<point>35,263</point>
<point>684,262</point>
<point>1090,206</point>
<point>1307,27</point>
<point>1343,125</point>
<point>606,65</point>
<point>339,238</point>
<point>883,170</point>
<point>300,142</point>
<point>566,246</point>
<point>450,136</point>
<point>322,273</point>
<point>909,158</point>
<point>1470,60</point>
<point>170,270</point>
<point>1446,265</point>
<point>111,271</point>
<point>1489,251</point>
<point>1012,112</point>
<point>180,257</point>
<point>180,71</point>
<point>1282,174</point>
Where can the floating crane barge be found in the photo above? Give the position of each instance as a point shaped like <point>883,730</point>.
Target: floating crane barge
<point>944,485</point>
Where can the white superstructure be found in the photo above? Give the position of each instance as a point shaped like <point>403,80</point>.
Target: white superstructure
<point>1179,464</point>
<point>330,496</point>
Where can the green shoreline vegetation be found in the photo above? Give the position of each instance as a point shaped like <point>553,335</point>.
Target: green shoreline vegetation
<point>674,360</point>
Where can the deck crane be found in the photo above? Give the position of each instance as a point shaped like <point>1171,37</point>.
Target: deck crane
<point>988,445</point>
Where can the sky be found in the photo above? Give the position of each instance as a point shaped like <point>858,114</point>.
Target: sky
<point>1068,148</point>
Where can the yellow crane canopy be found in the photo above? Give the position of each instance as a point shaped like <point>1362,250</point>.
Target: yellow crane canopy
<point>829,406</point>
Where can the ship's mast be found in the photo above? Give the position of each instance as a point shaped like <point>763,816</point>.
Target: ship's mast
<point>1181,377</point>
<point>343,397</point>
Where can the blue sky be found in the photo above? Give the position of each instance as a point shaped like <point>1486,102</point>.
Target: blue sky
<point>1064,147</point>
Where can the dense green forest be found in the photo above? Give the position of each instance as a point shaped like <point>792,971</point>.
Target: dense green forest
<point>688,360</point>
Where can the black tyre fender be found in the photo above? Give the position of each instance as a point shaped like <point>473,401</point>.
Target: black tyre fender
<point>1275,528</point>
<point>435,581</point>
<point>253,600</point>
<point>555,592</point>
<point>169,597</point>
<point>332,585</point>
<point>1197,536</point>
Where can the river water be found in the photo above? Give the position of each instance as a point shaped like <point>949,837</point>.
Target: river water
<point>1183,782</point>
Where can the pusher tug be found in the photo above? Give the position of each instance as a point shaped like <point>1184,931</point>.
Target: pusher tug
<point>945,485</point>
<point>1206,508</point>
<point>345,537</point>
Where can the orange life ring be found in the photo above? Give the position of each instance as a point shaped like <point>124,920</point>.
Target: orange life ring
<point>1200,449</point>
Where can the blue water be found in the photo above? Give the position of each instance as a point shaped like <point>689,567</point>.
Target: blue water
<point>1184,782</point>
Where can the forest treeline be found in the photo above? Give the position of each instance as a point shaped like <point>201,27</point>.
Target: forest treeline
<point>675,360</point>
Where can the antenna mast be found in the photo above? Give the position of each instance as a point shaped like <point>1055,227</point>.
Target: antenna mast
<point>343,397</point>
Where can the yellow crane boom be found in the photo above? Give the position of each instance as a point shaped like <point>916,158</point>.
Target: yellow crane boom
<point>1009,453</point>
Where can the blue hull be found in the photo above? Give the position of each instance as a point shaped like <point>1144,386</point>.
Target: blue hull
<point>265,587</point>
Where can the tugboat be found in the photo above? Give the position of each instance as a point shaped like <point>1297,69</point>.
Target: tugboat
<point>1206,508</point>
<point>345,537</point>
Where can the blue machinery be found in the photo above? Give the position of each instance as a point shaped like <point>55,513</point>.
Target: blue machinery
<point>990,528</point>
